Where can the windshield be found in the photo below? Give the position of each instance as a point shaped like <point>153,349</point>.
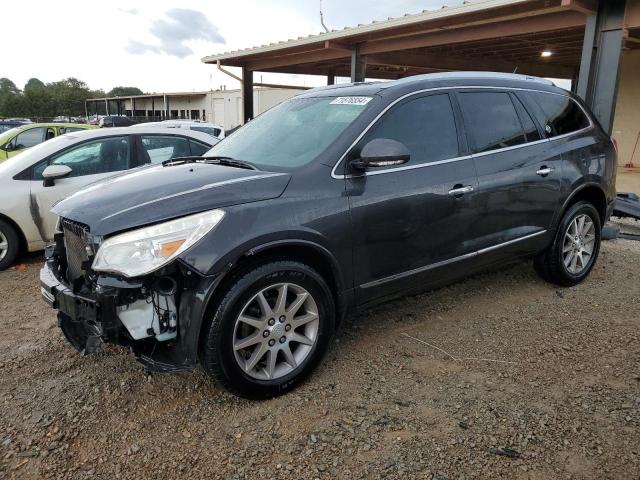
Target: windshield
<point>7,134</point>
<point>293,133</point>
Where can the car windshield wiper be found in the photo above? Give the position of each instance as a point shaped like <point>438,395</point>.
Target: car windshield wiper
<point>226,161</point>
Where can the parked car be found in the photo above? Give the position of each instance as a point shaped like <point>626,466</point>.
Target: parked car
<point>9,123</point>
<point>30,183</point>
<point>211,128</point>
<point>94,119</point>
<point>115,121</point>
<point>340,198</point>
<point>26,136</point>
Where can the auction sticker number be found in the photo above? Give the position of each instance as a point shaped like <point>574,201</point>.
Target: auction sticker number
<point>351,101</point>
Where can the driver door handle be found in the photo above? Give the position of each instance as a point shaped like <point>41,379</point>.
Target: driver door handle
<point>544,171</point>
<point>458,191</point>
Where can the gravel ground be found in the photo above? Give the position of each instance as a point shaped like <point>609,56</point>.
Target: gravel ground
<point>500,376</point>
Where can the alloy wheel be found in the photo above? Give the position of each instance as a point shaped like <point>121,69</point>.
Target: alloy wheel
<point>4,246</point>
<point>579,244</point>
<point>276,331</point>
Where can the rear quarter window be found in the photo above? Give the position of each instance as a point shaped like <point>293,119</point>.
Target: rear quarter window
<point>559,114</point>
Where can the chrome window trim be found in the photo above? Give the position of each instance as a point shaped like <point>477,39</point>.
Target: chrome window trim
<point>449,261</point>
<point>455,159</point>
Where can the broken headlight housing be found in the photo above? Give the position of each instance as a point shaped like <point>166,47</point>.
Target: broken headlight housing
<point>147,249</point>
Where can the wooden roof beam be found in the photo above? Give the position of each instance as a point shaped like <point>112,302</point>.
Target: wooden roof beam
<point>331,51</point>
<point>536,24</point>
<point>587,7</point>
<point>470,63</point>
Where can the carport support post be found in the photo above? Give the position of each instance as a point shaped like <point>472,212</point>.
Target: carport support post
<point>600,65</point>
<point>247,94</point>
<point>106,106</point>
<point>358,65</point>
<point>331,78</point>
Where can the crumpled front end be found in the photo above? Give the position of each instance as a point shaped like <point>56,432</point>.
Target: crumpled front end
<point>157,316</point>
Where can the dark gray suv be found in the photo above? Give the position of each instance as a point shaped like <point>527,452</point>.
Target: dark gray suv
<point>246,260</point>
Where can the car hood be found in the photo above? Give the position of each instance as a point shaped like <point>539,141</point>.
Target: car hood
<point>155,194</point>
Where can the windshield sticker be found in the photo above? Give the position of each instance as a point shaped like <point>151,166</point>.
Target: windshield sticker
<point>351,101</point>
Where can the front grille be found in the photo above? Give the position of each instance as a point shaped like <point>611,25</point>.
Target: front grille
<point>75,245</point>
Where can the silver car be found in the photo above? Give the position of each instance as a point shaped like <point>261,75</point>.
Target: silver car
<point>31,182</point>
<point>212,129</point>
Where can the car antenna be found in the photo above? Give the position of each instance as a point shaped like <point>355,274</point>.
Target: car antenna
<point>322,19</point>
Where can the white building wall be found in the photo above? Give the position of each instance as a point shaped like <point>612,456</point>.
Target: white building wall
<point>223,107</point>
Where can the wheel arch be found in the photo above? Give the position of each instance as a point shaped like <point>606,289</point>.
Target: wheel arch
<point>304,251</point>
<point>24,246</point>
<point>591,192</point>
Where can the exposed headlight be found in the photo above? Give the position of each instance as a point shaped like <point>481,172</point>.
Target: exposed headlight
<point>142,251</point>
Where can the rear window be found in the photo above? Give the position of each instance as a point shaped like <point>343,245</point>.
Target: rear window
<point>491,121</point>
<point>214,132</point>
<point>561,114</point>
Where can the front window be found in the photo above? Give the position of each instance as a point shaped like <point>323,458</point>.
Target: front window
<point>29,138</point>
<point>292,134</point>
<point>91,158</point>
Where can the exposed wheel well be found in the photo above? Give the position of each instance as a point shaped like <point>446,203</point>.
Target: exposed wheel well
<point>21,237</point>
<point>593,195</point>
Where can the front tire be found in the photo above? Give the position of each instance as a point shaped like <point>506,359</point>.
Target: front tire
<point>9,245</point>
<point>575,248</point>
<point>270,330</point>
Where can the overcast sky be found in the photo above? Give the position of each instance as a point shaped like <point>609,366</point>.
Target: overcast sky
<point>157,45</point>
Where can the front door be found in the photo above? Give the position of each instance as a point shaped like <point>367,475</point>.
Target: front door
<point>519,174</point>
<point>411,219</point>
<point>89,162</point>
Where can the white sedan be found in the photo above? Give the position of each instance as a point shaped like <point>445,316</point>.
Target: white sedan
<point>199,126</point>
<point>31,182</point>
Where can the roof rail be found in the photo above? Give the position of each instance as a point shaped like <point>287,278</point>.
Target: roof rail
<point>469,75</point>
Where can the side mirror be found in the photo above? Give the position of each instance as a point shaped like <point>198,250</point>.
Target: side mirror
<point>8,147</point>
<point>53,172</point>
<point>381,152</point>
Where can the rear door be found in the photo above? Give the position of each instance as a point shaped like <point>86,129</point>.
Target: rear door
<point>519,174</point>
<point>410,220</point>
<point>89,162</point>
<point>571,134</point>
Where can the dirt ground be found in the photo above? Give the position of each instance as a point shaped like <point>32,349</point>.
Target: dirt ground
<point>500,376</point>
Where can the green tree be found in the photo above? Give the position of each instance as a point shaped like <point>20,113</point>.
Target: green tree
<point>34,85</point>
<point>65,97</point>
<point>10,98</point>
<point>37,100</point>
<point>124,91</point>
<point>68,96</point>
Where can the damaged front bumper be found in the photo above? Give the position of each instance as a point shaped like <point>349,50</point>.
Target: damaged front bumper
<point>161,328</point>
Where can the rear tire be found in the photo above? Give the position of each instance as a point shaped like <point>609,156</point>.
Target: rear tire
<point>575,248</point>
<point>9,245</point>
<point>270,330</point>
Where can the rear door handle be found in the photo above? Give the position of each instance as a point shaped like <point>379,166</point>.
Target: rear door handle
<point>458,191</point>
<point>544,171</point>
